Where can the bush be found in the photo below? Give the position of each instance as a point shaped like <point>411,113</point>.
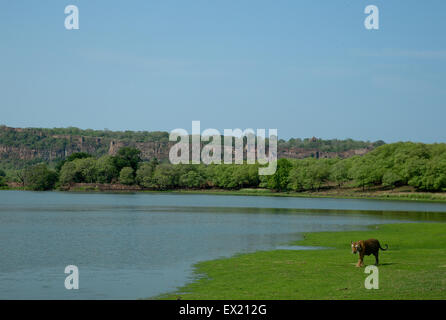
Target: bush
<point>192,179</point>
<point>165,177</point>
<point>39,178</point>
<point>79,170</point>
<point>144,174</point>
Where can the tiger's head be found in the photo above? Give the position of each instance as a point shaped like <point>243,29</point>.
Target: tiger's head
<point>356,247</point>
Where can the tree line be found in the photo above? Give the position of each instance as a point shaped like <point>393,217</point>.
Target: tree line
<point>333,145</point>
<point>41,142</point>
<point>422,166</point>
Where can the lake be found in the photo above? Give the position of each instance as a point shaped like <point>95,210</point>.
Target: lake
<point>130,246</point>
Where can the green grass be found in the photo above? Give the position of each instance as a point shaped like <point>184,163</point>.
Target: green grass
<point>414,267</point>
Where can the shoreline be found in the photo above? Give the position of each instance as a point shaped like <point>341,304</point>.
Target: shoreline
<point>346,193</point>
<point>366,196</point>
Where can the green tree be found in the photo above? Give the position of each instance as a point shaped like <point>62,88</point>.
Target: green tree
<point>165,177</point>
<point>366,172</point>
<point>317,174</point>
<point>432,175</point>
<point>39,178</point>
<point>339,172</point>
<point>221,175</point>
<point>391,178</point>
<point>239,176</point>
<point>413,170</point>
<point>144,174</point>
<point>126,176</point>
<point>192,179</point>
<point>68,174</point>
<point>72,157</point>
<point>87,169</point>
<point>296,177</point>
<point>279,180</point>
<point>106,171</point>
<point>253,175</point>
<point>78,170</point>
<point>20,177</point>
<point>127,157</point>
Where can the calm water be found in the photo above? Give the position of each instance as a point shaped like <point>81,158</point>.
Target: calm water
<point>130,246</point>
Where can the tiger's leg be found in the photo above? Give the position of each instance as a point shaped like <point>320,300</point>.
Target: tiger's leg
<point>376,258</point>
<point>360,261</point>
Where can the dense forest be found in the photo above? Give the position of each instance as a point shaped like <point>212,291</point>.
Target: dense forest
<point>422,166</point>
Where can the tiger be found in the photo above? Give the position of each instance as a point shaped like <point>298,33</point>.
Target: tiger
<point>367,247</point>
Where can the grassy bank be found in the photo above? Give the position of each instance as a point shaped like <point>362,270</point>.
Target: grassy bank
<point>403,194</point>
<point>347,193</point>
<point>414,267</point>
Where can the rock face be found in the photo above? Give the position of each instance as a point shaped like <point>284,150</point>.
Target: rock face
<point>25,145</point>
<point>149,150</point>
<point>299,153</point>
<point>51,153</point>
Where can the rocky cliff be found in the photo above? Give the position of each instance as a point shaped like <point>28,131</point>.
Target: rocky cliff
<point>19,146</point>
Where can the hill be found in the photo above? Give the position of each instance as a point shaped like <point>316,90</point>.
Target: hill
<point>20,147</point>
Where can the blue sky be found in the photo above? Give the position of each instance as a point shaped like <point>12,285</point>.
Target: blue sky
<point>308,68</point>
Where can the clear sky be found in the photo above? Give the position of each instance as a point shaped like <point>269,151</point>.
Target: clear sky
<point>306,67</point>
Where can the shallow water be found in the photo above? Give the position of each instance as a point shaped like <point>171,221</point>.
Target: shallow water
<point>130,246</point>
